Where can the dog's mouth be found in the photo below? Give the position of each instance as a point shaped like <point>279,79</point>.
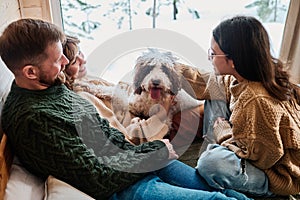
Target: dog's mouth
<point>155,93</point>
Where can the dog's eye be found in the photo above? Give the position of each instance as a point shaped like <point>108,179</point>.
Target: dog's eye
<point>138,90</point>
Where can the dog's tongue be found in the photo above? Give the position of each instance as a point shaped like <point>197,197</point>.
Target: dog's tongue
<point>155,93</point>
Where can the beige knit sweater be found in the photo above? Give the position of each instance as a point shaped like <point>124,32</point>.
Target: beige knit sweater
<point>264,130</point>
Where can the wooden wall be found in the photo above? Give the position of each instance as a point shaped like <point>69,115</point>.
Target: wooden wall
<point>11,10</point>
<point>35,9</point>
<point>290,48</point>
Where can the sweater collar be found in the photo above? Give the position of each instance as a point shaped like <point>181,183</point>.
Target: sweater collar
<point>238,87</point>
<point>50,90</point>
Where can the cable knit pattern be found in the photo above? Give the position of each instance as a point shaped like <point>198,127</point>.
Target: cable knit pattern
<point>264,130</point>
<point>56,132</point>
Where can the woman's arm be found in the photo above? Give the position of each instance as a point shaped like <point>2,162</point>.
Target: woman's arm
<point>204,85</point>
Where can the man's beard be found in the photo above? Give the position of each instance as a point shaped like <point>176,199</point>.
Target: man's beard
<point>59,80</point>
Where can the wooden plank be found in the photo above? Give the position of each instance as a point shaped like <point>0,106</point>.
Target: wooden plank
<point>289,52</point>
<point>33,12</point>
<point>290,30</point>
<point>6,158</point>
<point>46,10</point>
<point>30,3</point>
<point>295,69</point>
<point>40,9</point>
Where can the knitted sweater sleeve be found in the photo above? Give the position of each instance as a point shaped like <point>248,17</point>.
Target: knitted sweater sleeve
<point>205,85</point>
<point>255,132</point>
<point>99,164</point>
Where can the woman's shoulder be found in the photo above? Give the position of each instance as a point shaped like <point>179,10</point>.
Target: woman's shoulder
<point>255,93</point>
<point>245,88</point>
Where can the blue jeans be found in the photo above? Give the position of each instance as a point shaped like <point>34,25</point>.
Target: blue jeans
<point>212,110</point>
<point>176,181</point>
<point>220,167</point>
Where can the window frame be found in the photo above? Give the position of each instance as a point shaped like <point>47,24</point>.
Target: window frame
<point>289,45</point>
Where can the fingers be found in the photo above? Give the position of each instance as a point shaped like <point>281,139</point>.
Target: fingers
<point>219,120</point>
<point>135,120</point>
<point>172,154</point>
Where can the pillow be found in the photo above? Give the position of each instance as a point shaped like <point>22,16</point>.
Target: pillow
<point>57,190</point>
<point>23,185</point>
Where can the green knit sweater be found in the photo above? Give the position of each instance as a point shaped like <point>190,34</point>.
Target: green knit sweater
<point>56,132</point>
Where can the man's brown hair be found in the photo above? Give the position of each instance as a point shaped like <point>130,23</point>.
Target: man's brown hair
<point>24,42</point>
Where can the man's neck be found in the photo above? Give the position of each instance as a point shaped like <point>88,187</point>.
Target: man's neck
<point>32,85</point>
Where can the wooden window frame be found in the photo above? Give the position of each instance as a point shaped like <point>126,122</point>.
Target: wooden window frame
<point>290,47</point>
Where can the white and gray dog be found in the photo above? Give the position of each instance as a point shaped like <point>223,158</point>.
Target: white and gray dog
<point>154,79</point>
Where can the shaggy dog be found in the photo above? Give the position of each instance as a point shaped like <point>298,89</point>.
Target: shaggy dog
<point>154,80</point>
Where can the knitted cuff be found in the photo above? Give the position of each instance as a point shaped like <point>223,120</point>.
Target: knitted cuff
<point>222,131</point>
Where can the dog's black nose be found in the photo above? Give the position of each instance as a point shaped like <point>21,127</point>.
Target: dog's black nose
<point>155,82</point>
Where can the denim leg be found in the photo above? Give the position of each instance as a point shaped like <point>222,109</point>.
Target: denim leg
<point>179,174</point>
<point>212,110</point>
<point>153,188</point>
<point>221,168</point>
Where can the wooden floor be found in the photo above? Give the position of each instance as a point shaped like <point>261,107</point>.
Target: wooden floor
<point>190,157</point>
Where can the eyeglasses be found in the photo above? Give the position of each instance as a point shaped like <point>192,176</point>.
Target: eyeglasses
<point>211,54</point>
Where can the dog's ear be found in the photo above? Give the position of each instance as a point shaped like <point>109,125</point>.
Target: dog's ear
<point>138,77</point>
<point>178,85</point>
<point>174,78</point>
<point>141,71</point>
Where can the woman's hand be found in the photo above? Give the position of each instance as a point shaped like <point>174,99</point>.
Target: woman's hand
<point>218,121</point>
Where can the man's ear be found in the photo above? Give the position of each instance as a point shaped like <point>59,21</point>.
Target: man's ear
<point>30,72</point>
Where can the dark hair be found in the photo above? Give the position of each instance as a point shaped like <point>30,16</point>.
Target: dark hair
<point>24,42</point>
<point>246,42</point>
<point>70,49</point>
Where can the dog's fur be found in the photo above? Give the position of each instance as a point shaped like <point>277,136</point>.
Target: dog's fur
<point>154,79</point>
<point>154,82</point>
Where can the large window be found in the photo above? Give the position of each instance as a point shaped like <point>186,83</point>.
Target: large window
<point>96,22</point>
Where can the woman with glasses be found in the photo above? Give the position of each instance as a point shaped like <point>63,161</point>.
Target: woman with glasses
<point>252,116</point>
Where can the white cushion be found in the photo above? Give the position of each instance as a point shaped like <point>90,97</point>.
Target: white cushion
<point>57,190</point>
<point>23,185</point>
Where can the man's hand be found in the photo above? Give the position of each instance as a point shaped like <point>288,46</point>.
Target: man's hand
<point>172,154</point>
